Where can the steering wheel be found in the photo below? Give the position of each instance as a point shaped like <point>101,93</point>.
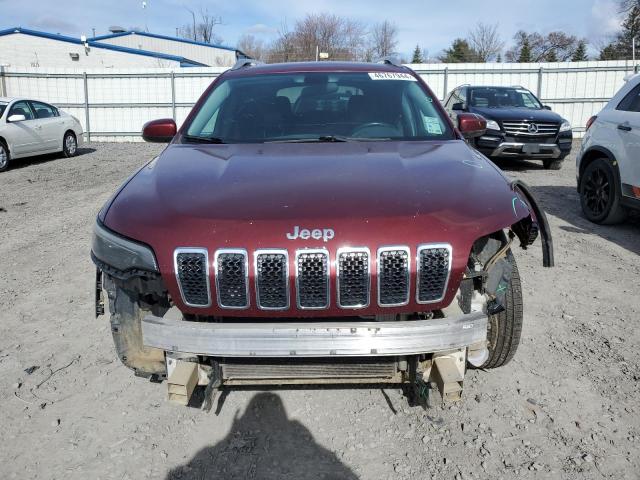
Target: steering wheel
<point>377,125</point>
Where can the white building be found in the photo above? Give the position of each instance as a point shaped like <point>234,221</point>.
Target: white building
<point>205,53</point>
<point>21,47</point>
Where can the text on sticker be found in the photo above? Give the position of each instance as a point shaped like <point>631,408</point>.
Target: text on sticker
<point>392,76</point>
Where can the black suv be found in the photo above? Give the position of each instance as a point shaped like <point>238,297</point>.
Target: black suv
<point>518,125</point>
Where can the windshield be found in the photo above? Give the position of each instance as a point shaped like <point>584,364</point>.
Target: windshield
<point>502,97</point>
<point>338,106</point>
<point>3,105</point>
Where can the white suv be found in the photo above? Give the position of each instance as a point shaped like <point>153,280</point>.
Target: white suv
<point>608,164</point>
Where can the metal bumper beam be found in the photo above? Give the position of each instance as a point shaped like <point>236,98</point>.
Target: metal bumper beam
<point>314,339</point>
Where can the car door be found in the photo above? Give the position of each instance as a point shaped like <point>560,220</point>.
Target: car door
<point>626,121</point>
<point>48,124</point>
<point>22,136</point>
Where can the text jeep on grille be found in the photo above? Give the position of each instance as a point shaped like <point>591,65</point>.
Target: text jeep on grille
<point>315,222</point>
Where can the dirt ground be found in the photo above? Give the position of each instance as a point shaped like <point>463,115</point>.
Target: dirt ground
<point>566,407</point>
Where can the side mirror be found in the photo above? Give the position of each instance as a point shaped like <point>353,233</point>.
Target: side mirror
<point>471,125</point>
<point>159,131</point>
<point>546,107</point>
<point>458,106</point>
<point>16,118</point>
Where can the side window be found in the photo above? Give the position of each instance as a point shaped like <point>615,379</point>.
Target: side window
<point>463,96</point>
<point>42,110</point>
<point>449,101</point>
<point>21,108</point>
<point>631,102</point>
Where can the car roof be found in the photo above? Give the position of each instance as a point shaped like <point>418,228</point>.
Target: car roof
<point>304,67</point>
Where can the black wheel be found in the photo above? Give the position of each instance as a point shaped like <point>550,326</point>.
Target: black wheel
<point>69,145</point>
<point>4,157</point>
<point>600,193</point>
<point>505,327</point>
<point>552,163</point>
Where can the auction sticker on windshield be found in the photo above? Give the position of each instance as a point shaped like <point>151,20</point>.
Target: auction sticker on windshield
<point>392,76</point>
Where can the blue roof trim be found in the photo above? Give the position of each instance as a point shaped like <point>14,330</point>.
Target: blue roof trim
<point>63,38</point>
<point>163,37</point>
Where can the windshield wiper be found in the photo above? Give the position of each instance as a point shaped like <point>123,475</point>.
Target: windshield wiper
<point>196,139</point>
<point>320,139</point>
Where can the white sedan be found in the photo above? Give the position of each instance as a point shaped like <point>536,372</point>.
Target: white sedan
<point>31,127</point>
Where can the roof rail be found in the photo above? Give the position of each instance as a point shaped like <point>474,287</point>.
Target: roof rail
<point>390,61</point>
<point>246,62</point>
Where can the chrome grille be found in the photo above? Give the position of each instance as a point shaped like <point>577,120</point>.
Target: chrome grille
<point>312,279</point>
<point>393,276</point>
<point>192,272</point>
<point>434,265</point>
<point>232,286</point>
<point>272,279</point>
<point>353,278</point>
<point>517,128</point>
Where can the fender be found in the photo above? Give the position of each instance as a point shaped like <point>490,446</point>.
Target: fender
<point>543,224</point>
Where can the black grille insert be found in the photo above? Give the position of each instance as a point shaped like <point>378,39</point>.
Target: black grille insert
<point>433,272</point>
<point>272,280</point>
<point>193,276</point>
<point>393,276</point>
<point>313,279</point>
<point>353,278</point>
<point>231,279</point>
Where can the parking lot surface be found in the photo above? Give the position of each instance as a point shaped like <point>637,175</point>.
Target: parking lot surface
<point>567,406</point>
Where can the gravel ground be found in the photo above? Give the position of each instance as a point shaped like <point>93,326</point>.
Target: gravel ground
<point>565,407</point>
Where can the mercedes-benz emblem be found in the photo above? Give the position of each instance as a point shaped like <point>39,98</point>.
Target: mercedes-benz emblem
<point>532,128</point>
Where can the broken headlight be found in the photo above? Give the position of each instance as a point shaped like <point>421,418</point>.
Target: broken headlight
<point>121,253</point>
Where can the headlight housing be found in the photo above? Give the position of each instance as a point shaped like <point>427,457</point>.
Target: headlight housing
<point>493,125</point>
<point>565,126</point>
<point>121,253</point>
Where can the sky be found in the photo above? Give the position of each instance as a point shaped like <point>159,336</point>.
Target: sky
<point>431,24</point>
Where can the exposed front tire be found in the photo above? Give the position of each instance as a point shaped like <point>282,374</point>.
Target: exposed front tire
<point>5,157</point>
<point>600,193</point>
<point>505,327</point>
<point>126,328</point>
<point>70,145</point>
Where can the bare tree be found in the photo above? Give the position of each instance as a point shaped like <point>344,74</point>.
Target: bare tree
<point>201,29</point>
<point>485,40</point>
<point>252,46</point>
<point>554,47</point>
<point>341,38</point>
<point>384,38</point>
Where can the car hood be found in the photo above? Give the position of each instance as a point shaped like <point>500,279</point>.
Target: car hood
<point>541,115</point>
<point>370,194</point>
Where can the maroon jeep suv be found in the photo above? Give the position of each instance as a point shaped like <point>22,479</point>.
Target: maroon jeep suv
<point>315,223</point>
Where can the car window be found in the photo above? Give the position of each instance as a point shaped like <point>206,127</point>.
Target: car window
<point>631,101</point>
<point>42,110</point>
<point>21,108</point>
<point>3,107</point>
<point>502,97</point>
<point>300,106</point>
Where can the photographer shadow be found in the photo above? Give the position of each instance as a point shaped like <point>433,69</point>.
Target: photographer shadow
<point>264,443</point>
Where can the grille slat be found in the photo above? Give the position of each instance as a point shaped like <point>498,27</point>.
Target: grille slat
<point>393,276</point>
<point>192,273</point>
<point>522,128</point>
<point>312,279</point>
<point>232,278</point>
<point>272,279</point>
<point>353,278</point>
<point>434,264</point>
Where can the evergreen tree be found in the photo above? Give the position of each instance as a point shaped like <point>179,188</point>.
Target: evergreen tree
<point>499,58</point>
<point>621,47</point>
<point>525,52</point>
<point>459,52</point>
<point>580,55</point>
<point>417,55</point>
<point>551,56</point>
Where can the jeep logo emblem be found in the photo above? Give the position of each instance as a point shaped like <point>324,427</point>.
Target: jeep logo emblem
<point>325,234</point>
<point>532,128</point>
